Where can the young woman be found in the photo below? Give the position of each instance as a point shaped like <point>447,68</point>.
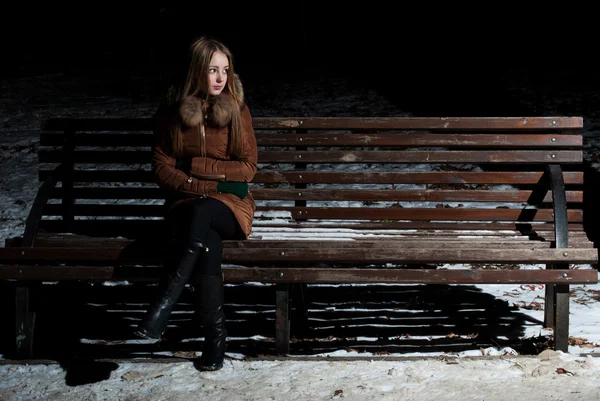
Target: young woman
<point>204,158</point>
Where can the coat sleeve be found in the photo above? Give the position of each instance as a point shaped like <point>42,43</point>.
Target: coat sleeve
<point>168,177</point>
<point>242,169</point>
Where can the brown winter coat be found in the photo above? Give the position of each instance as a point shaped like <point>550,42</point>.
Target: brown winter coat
<point>215,164</point>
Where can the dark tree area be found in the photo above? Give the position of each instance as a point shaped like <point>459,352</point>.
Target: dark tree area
<point>432,60</point>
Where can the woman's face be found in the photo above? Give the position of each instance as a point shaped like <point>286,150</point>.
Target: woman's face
<point>217,73</point>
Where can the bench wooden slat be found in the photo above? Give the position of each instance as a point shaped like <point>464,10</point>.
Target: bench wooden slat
<point>137,228</point>
<point>326,156</point>
<point>311,275</point>
<point>525,123</point>
<point>429,226</point>
<point>411,276</point>
<point>107,210</point>
<point>354,213</point>
<point>450,140</point>
<point>98,124</point>
<point>132,139</point>
<point>428,123</point>
<point>447,140</point>
<point>423,156</point>
<point>354,240</point>
<point>403,242</point>
<point>438,195</point>
<point>128,176</point>
<point>413,177</point>
<point>377,232</point>
<point>395,242</point>
<point>319,254</point>
<point>423,255</point>
<point>346,177</point>
<point>438,239</point>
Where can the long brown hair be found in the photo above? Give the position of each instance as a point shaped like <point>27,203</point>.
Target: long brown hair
<point>195,84</point>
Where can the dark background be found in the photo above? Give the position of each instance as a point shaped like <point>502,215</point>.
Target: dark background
<point>432,59</point>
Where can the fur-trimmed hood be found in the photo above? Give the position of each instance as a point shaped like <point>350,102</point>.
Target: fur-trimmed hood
<point>217,109</point>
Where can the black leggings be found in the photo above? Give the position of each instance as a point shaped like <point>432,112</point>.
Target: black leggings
<point>208,221</point>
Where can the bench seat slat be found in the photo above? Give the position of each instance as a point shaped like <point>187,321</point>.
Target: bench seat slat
<point>368,213</point>
<point>412,241</point>
<point>394,242</point>
<point>312,275</point>
<point>423,213</point>
<point>412,255</point>
<point>411,276</point>
<point>137,228</point>
<point>518,228</point>
<point>320,253</point>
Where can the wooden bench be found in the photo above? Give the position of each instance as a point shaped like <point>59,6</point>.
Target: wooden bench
<point>339,200</point>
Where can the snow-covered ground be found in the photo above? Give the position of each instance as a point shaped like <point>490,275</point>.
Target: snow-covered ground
<point>495,373</point>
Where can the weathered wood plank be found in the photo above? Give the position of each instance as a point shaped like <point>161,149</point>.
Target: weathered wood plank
<point>150,228</point>
<point>340,156</point>
<point>415,214</point>
<point>429,253</point>
<point>357,194</point>
<point>450,140</point>
<point>422,156</point>
<point>337,177</point>
<point>343,213</point>
<point>382,195</point>
<point>412,255</point>
<point>313,275</point>
<point>427,226</point>
<point>434,123</point>
<point>358,241</point>
<point>447,140</point>
<point>416,123</point>
<point>411,276</point>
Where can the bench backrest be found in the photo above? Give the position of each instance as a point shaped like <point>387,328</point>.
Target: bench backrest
<point>398,173</point>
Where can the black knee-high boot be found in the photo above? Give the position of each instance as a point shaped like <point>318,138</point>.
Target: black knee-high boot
<point>155,320</point>
<point>212,317</point>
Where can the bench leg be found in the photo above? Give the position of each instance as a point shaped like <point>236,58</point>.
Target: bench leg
<point>550,306</point>
<point>282,319</point>
<point>556,312</point>
<point>561,323</point>
<point>24,323</point>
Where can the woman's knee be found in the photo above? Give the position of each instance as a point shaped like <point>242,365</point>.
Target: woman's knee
<point>210,261</point>
<point>213,241</point>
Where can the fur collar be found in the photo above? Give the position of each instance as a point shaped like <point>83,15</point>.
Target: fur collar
<point>218,109</point>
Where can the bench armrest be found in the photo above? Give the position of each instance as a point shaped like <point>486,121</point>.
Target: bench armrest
<point>559,205</point>
<point>41,199</point>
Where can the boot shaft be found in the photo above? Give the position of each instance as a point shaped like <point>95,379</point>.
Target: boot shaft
<point>210,299</point>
